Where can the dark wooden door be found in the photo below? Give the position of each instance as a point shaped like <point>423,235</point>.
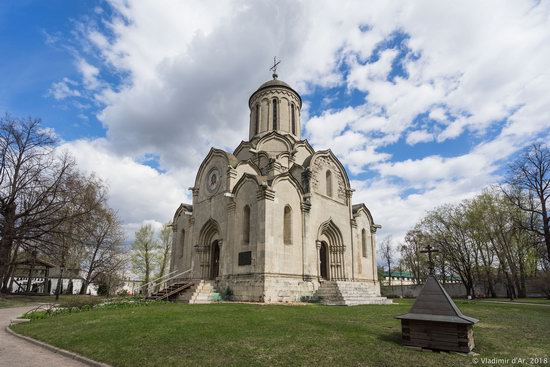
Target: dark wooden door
<point>323,259</point>
<point>215,257</point>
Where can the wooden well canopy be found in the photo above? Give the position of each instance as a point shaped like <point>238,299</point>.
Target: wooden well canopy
<point>435,322</point>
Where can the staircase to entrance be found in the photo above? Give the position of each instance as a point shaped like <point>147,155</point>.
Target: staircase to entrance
<point>176,287</point>
<point>346,293</point>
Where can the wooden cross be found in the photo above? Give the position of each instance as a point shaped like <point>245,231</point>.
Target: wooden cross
<point>274,67</point>
<point>429,250</point>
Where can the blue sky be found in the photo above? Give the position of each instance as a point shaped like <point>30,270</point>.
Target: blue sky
<point>425,103</point>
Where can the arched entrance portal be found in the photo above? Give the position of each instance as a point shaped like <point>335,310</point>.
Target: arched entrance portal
<point>330,245</point>
<point>215,260</point>
<point>209,249</point>
<point>323,260</point>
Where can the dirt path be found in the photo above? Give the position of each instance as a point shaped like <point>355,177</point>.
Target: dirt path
<point>16,352</point>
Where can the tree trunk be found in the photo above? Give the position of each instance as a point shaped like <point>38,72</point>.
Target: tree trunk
<point>59,287</point>
<point>389,273</point>
<point>83,287</point>
<point>6,246</point>
<point>546,228</point>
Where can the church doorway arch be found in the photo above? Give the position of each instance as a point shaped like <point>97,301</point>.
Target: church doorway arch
<point>209,249</point>
<point>215,260</point>
<point>323,260</point>
<point>330,245</point>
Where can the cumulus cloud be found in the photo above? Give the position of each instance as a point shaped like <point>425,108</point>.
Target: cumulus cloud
<point>64,89</point>
<point>419,136</point>
<point>138,192</point>
<point>430,72</point>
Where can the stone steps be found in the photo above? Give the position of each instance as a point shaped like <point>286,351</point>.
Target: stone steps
<point>345,293</point>
<point>202,292</point>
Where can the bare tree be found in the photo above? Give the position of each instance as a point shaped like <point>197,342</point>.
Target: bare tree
<point>37,189</point>
<point>412,258</point>
<point>103,240</point>
<point>529,189</point>
<point>388,253</point>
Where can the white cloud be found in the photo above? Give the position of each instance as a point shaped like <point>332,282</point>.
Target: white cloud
<point>89,73</point>
<point>419,136</point>
<point>438,114</point>
<point>64,89</point>
<point>474,67</point>
<point>361,75</point>
<point>138,192</point>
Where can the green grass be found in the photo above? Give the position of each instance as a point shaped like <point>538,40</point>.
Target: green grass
<point>7,301</point>
<point>520,300</point>
<point>276,335</point>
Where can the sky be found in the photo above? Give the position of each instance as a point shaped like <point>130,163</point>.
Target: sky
<point>424,102</point>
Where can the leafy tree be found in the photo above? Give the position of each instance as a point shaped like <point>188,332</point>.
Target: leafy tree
<point>145,252</point>
<point>165,237</point>
<point>445,227</point>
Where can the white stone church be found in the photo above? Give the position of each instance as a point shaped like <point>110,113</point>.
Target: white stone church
<point>274,221</point>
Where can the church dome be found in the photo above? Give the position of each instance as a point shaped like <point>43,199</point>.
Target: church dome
<point>275,83</point>
<point>275,106</point>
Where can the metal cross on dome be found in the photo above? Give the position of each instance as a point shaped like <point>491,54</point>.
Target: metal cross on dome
<point>274,67</point>
<point>429,250</point>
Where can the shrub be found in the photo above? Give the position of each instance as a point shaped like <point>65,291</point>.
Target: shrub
<point>542,283</point>
<point>80,302</point>
<point>227,294</point>
<point>310,299</point>
<point>123,293</point>
<point>103,289</point>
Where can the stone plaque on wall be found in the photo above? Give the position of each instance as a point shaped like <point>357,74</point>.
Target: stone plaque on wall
<point>245,258</point>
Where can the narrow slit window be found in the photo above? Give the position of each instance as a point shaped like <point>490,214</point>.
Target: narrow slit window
<point>329,183</point>
<point>274,114</point>
<point>246,224</point>
<point>182,242</point>
<point>364,242</point>
<point>287,225</point>
<point>257,119</point>
<point>293,118</point>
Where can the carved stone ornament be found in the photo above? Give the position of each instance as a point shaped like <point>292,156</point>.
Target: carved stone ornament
<point>213,180</point>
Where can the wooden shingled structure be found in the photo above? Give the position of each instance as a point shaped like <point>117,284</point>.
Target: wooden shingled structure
<point>435,322</point>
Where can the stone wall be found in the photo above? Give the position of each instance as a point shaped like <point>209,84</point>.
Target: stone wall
<point>455,290</point>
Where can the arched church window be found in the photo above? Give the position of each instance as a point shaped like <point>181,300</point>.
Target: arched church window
<point>293,118</point>
<point>364,242</point>
<point>182,242</point>
<point>246,224</point>
<point>287,226</point>
<point>274,114</point>
<point>257,119</point>
<point>329,183</point>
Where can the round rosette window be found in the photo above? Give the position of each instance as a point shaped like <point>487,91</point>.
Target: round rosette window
<point>213,180</point>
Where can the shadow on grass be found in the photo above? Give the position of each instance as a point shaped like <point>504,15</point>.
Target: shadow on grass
<point>391,337</point>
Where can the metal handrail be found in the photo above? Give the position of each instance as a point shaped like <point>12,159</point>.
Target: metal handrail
<point>165,281</point>
<point>152,282</point>
<point>177,290</point>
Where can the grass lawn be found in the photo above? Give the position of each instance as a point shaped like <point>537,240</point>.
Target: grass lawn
<point>20,300</point>
<point>276,335</point>
<point>520,300</point>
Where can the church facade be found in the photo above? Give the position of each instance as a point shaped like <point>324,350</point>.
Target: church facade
<point>273,221</point>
